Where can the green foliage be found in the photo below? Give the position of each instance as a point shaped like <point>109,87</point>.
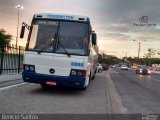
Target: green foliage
<point>147,61</point>
<point>4,38</point>
<point>110,59</point>
<point>107,59</point>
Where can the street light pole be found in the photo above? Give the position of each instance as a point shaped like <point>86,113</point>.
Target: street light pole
<point>18,7</point>
<point>139,48</point>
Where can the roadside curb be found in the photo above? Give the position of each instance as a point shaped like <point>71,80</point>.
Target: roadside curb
<point>116,106</point>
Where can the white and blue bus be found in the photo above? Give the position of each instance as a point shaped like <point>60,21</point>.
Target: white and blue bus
<point>61,50</point>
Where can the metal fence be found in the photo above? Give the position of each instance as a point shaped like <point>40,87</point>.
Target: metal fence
<point>11,59</point>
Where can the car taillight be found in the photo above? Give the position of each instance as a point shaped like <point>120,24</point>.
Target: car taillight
<point>75,72</point>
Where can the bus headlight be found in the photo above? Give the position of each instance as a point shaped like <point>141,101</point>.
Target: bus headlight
<point>80,73</point>
<point>73,72</point>
<point>26,68</point>
<point>29,68</point>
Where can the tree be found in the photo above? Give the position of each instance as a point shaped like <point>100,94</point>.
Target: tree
<point>5,38</point>
<point>158,53</point>
<point>107,59</point>
<point>151,53</point>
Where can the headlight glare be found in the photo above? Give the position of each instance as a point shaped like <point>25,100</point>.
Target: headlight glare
<point>79,73</point>
<point>26,68</point>
<point>73,72</point>
<point>31,68</point>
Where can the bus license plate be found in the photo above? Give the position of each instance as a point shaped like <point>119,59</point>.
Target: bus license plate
<point>51,83</point>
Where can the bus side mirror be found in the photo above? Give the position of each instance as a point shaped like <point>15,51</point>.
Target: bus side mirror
<point>94,39</point>
<point>22,31</point>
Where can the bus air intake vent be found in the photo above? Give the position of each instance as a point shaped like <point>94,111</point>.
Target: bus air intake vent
<point>39,16</point>
<point>81,19</point>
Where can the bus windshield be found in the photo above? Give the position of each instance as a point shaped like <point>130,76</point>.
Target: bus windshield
<point>59,37</point>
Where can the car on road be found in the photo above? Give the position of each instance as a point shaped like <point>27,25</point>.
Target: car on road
<point>143,70</point>
<point>113,66</point>
<point>124,67</point>
<point>105,66</point>
<point>99,68</point>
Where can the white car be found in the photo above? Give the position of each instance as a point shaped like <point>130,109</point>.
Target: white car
<point>113,66</point>
<point>124,67</point>
<point>99,68</point>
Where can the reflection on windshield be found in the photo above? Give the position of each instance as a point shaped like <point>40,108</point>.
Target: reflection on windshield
<point>73,37</point>
<point>44,37</point>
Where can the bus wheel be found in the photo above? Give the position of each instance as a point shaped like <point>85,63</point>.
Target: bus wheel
<point>44,86</point>
<point>93,77</point>
<point>87,82</point>
<point>89,76</point>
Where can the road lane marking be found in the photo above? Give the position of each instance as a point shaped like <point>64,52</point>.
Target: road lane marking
<point>11,86</point>
<point>155,80</point>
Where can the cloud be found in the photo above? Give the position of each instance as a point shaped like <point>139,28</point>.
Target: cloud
<point>111,19</point>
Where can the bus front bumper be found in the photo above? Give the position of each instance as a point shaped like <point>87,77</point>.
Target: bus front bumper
<point>68,81</point>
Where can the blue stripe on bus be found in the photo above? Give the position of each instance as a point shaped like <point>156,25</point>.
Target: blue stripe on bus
<point>69,81</point>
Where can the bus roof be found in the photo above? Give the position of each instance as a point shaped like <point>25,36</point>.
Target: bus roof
<point>61,16</point>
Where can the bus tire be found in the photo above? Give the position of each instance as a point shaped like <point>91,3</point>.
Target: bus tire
<point>84,88</point>
<point>44,86</point>
<point>94,75</point>
<point>89,79</point>
<point>90,76</point>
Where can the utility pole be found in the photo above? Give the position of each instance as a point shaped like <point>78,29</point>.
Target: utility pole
<point>139,48</point>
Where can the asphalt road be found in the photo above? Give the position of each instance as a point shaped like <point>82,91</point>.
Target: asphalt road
<point>31,98</point>
<point>139,93</point>
<point>112,91</point>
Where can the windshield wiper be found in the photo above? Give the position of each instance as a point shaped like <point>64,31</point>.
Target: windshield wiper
<point>66,52</point>
<point>50,44</point>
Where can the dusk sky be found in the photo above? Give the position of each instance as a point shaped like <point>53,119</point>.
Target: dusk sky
<point>113,21</point>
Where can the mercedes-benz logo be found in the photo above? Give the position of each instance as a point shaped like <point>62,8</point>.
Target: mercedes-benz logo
<point>52,71</point>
